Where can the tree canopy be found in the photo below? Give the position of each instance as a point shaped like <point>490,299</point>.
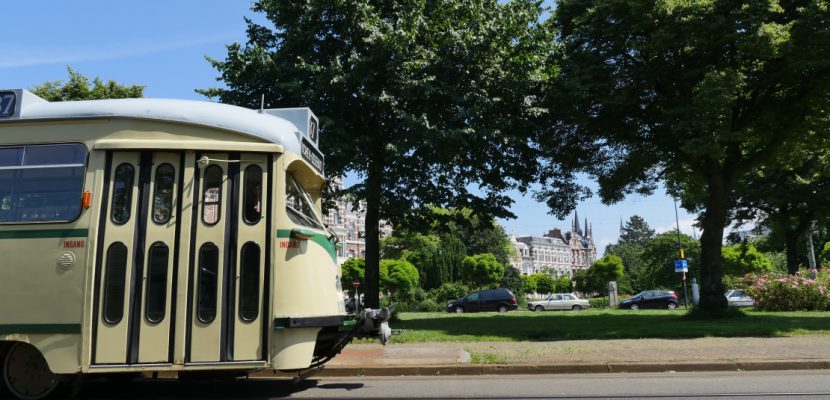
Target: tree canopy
<point>416,98</point>
<point>693,93</point>
<point>482,270</point>
<point>78,88</point>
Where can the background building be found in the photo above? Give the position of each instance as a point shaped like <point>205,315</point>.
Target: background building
<point>348,223</point>
<point>556,253</point>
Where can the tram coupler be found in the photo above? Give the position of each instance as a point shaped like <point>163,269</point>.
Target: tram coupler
<point>375,324</point>
<point>306,373</point>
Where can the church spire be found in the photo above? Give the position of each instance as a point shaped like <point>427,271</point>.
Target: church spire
<point>586,228</point>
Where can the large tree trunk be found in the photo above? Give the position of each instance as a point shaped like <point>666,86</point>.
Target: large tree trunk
<point>373,192</point>
<point>791,241</point>
<point>711,243</point>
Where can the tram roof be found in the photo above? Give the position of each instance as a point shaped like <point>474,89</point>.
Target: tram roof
<point>261,125</point>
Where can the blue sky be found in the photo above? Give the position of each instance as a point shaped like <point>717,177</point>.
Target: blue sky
<point>163,45</point>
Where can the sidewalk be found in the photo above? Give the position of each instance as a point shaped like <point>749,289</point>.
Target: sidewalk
<point>583,356</point>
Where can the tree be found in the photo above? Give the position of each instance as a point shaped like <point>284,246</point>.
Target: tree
<point>742,259</point>
<point>659,256</point>
<point>482,269</point>
<point>479,234</point>
<point>789,196</point>
<point>512,280</point>
<point>696,94</point>
<point>437,258</point>
<point>636,231</point>
<point>563,284</point>
<point>350,271</point>
<point>544,283</point>
<point>398,276</point>
<point>78,88</point>
<point>529,284</point>
<point>400,88</point>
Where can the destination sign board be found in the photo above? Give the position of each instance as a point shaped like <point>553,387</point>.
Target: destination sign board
<point>312,155</point>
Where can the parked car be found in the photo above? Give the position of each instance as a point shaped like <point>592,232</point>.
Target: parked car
<point>559,301</point>
<point>501,300</point>
<point>739,298</point>
<point>651,299</point>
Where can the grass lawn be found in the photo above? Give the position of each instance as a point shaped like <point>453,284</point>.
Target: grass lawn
<point>600,324</point>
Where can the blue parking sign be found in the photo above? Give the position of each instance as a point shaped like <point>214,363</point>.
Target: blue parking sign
<point>681,266</point>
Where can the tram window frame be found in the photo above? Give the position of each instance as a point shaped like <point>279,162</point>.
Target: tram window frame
<point>303,201</point>
<point>156,291</point>
<point>249,281</point>
<point>205,311</point>
<point>216,199</point>
<point>42,183</point>
<point>115,286</point>
<point>123,195</point>
<point>252,195</point>
<point>157,199</point>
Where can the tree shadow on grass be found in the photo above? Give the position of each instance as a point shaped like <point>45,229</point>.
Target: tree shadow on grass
<point>633,325</point>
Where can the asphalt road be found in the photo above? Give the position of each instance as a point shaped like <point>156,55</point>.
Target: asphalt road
<point>668,385</point>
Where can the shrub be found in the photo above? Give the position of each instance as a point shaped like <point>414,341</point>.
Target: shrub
<point>598,302</point>
<point>449,291</point>
<point>777,292</point>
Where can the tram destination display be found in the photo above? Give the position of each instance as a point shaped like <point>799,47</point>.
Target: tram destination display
<point>8,101</point>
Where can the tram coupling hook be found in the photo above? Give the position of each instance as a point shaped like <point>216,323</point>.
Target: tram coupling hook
<point>375,323</point>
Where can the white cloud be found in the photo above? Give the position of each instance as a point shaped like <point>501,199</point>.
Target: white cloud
<point>31,56</point>
<point>686,227</point>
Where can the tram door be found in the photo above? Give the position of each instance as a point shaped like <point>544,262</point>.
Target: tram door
<point>137,253</point>
<point>227,300</point>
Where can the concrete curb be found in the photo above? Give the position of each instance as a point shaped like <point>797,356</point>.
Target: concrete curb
<point>612,367</point>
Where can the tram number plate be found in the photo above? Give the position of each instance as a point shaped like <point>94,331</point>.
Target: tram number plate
<point>8,101</point>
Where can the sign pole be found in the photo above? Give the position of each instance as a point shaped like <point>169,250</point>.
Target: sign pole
<point>680,247</point>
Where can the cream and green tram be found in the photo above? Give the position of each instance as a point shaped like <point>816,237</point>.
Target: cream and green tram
<point>163,235</point>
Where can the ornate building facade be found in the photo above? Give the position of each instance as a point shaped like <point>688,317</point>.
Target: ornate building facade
<point>556,253</point>
<point>348,223</point>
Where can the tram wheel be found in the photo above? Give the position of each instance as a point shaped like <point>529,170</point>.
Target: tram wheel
<point>27,375</point>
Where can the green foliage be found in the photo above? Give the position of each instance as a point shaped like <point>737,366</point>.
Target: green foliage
<point>695,94</point>
<point>449,291</point>
<point>739,260</point>
<point>529,284</point>
<point>563,284</point>
<point>482,270</point>
<point>478,234</point>
<point>437,258</point>
<point>659,256</point>
<point>398,273</point>
<point>636,231</point>
<point>350,270</point>
<point>544,283</point>
<point>400,88</point>
<point>825,254</point>
<point>78,88</point>
<point>775,292</point>
<point>512,280</point>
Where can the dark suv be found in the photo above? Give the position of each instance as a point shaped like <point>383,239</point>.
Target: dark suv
<point>501,300</point>
<point>651,299</point>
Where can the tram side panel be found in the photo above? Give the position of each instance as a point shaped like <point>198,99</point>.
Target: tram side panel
<point>44,243</point>
<point>306,280</point>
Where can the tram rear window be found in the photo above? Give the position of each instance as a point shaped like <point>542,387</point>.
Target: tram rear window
<point>41,183</point>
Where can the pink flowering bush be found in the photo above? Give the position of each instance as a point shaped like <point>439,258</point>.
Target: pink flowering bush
<point>777,292</point>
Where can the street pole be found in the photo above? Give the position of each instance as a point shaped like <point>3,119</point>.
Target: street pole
<point>811,253</point>
<point>682,256</point>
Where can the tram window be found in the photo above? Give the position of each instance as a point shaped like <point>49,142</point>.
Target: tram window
<point>41,183</point>
<point>115,282</point>
<point>156,300</point>
<point>163,193</point>
<point>299,205</point>
<point>122,193</point>
<point>252,199</point>
<point>212,195</point>
<point>208,280</point>
<point>249,282</point>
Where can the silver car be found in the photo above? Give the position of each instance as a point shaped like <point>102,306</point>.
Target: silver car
<point>559,301</point>
<point>739,298</point>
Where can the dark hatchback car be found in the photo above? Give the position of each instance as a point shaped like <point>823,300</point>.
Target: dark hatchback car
<point>501,300</point>
<point>666,299</point>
